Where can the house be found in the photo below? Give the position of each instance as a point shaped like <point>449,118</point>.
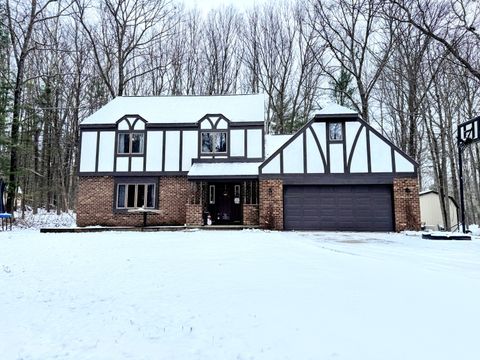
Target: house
<point>199,157</point>
<point>431,213</point>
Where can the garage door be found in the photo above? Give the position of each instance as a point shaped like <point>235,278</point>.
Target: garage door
<point>339,207</point>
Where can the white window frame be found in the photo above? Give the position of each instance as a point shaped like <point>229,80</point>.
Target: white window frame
<point>213,132</point>
<point>135,200</point>
<point>130,147</point>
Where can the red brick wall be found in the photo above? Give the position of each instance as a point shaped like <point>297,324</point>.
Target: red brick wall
<point>406,202</point>
<point>95,201</point>
<point>271,204</point>
<point>194,214</point>
<point>250,214</point>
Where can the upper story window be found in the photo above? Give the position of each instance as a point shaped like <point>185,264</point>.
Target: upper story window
<point>335,132</point>
<point>131,135</point>
<point>131,143</point>
<point>214,142</point>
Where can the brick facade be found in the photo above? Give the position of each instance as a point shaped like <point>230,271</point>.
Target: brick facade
<point>194,214</point>
<point>406,202</point>
<point>271,204</point>
<point>250,214</point>
<point>95,204</point>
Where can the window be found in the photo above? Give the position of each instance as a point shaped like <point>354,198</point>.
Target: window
<point>335,131</point>
<point>211,194</point>
<point>214,142</point>
<point>130,143</point>
<point>135,195</point>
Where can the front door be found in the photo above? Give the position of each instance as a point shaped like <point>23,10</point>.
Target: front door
<point>225,205</point>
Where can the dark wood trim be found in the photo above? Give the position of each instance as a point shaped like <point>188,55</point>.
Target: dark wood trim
<point>344,133</point>
<point>337,179</point>
<point>134,173</point>
<point>247,124</point>
<point>245,143</point>
<point>164,140</point>
<point>227,160</point>
<point>288,142</point>
<point>171,126</point>
<point>214,178</point>
<point>369,153</point>
<point>263,142</point>
<point>394,166</point>
<point>305,152</point>
<point>281,163</point>
<point>80,153</point>
<point>106,127</point>
<point>354,145</point>
<point>126,116</point>
<point>97,151</point>
<point>319,146</point>
<point>180,158</point>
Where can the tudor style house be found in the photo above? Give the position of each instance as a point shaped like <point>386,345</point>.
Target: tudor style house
<point>189,158</point>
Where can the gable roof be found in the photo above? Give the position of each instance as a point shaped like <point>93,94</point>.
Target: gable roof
<point>180,109</point>
<point>332,112</point>
<point>335,109</point>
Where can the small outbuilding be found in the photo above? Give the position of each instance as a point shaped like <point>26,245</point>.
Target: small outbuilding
<point>431,211</point>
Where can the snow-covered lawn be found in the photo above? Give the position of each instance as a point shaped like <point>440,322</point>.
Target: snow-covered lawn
<point>238,295</point>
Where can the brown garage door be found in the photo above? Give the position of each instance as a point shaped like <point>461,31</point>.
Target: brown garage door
<point>339,207</point>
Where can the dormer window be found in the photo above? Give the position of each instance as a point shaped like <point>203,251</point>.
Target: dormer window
<point>131,143</point>
<point>214,142</point>
<point>335,132</point>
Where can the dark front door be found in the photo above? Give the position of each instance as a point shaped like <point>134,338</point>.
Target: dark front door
<point>225,205</point>
<point>340,207</point>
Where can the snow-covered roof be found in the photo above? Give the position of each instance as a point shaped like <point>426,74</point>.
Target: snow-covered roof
<point>224,169</point>
<point>335,109</point>
<point>274,142</point>
<point>180,109</point>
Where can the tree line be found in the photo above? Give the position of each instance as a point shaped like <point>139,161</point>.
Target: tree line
<point>409,67</point>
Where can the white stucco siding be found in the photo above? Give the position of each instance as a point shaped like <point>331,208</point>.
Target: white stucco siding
<point>122,163</point>
<point>205,124</point>
<point>124,125</point>
<point>273,166</point>
<point>359,163</point>
<point>190,149</point>
<point>314,158</point>
<point>222,124</point>
<point>381,154</point>
<point>254,143</point>
<point>237,142</point>
<point>336,159</point>
<point>106,149</point>
<point>139,125</point>
<point>154,150</point>
<point>137,163</point>
<point>320,131</point>
<point>293,157</point>
<point>88,152</point>
<point>172,150</point>
<point>402,164</point>
<point>351,130</point>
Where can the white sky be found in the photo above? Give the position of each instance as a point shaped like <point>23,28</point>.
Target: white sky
<point>207,5</point>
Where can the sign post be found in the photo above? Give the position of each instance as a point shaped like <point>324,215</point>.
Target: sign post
<point>467,133</point>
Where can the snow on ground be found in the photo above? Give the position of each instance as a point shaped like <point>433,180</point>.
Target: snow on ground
<point>237,295</point>
<point>44,218</point>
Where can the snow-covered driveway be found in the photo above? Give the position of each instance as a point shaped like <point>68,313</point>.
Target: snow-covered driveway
<point>238,295</point>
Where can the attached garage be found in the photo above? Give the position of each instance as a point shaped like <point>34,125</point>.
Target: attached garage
<point>338,207</point>
<point>337,173</point>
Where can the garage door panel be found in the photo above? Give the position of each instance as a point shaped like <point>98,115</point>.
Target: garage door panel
<point>345,207</point>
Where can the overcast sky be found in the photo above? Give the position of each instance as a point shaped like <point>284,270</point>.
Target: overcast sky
<point>207,5</point>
